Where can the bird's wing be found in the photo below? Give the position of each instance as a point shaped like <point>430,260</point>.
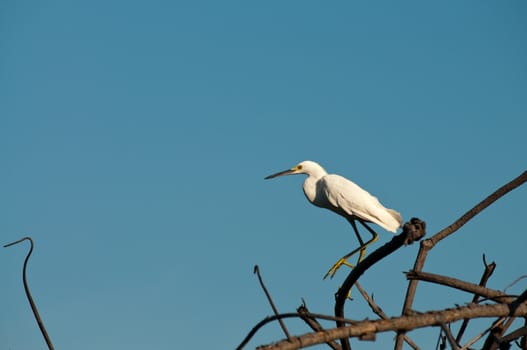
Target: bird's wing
<point>347,195</point>
<point>352,199</point>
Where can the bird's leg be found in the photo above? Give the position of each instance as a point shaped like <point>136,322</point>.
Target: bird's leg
<point>356,232</point>
<point>344,260</point>
<point>373,239</point>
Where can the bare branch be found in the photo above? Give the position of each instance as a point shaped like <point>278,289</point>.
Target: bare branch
<point>520,332</point>
<point>514,282</point>
<point>449,337</point>
<point>495,324</point>
<point>488,293</point>
<point>412,230</point>
<point>377,310</point>
<point>284,328</point>
<point>521,299</point>
<point>402,323</point>
<point>313,323</point>
<point>493,340</point>
<point>441,342</point>
<point>489,269</point>
<point>500,192</point>
<point>523,341</point>
<point>28,293</point>
<point>428,244</point>
<point>291,315</point>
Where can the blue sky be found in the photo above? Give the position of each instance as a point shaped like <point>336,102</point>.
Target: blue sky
<point>135,136</point>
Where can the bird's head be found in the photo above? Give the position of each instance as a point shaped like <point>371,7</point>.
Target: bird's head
<point>306,167</point>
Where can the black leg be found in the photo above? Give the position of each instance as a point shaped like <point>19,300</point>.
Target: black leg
<point>374,235</point>
<point>352,221</point>
<point>363,223</point>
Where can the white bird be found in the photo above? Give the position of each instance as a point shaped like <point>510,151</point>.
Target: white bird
<point>347,199</point>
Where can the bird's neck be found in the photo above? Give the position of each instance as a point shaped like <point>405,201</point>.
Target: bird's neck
<point>315,173</point>
<point>310,188</point>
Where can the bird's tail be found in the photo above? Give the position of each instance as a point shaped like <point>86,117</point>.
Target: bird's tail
<point>396,216</point>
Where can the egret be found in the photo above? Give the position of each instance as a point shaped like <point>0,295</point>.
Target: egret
<point>347,199</point>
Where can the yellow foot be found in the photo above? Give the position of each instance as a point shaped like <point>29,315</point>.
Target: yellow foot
<point>333,270</point>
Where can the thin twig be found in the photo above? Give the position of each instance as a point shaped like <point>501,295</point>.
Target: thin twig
<point>514,282</point>
<point>441,341</point>
<point>428,244</point>
<point>493,340</point>
<point>28,293</point>
<point>489,269</point>
<point>523,341</point>
<point>282,324</point>
<point>378,311</point>
<point>313,323</point>
<point>496,323</point>
<point>495,337</point>
<point>449,336</point>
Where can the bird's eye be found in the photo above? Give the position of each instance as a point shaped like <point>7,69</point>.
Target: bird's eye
<point>299,167</point>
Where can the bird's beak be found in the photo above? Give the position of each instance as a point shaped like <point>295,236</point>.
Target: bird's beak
<point>281,173</point>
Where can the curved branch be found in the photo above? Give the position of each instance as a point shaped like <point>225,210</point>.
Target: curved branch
<point>413,230</point>
<point>290,315</point>
<point>28,293</point>
<point>402,323</point>
<point>514,282</point>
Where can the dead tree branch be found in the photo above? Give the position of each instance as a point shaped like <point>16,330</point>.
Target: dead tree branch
<point>313,323</point>
<point>493,340</point>
<point>489,269</point>
<point>506,309</point>
<point>378,311</point>
<point>495,324</point>
<point>28,293</point>
<point>520,332</point>
<point>488,293</point>
<point>449,336</point>
<point>402,323</point>
<point>275,310</point>
<point>428,244</point>
<point>514,282</point>
<point>291,315</point>
<point>412,231</point>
